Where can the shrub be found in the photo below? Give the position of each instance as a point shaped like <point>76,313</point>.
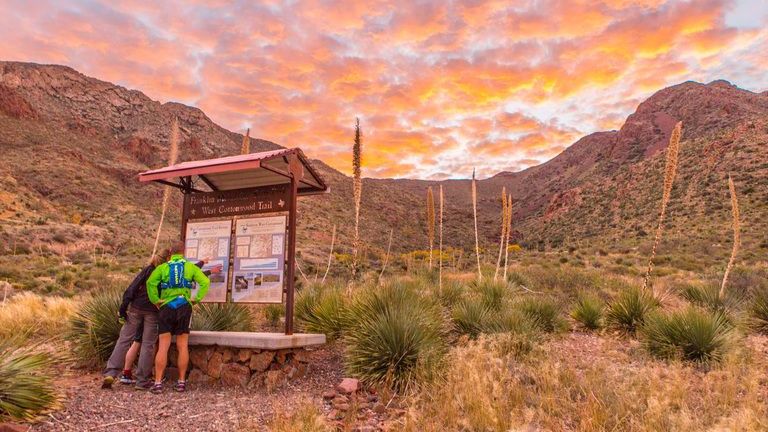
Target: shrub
<point>222,317</point>
<point>449,294</point>
<point>322,309</point>
<point>707,295</point>
<point>396,338</point>
<point>471,317</point>
<point>26,384</point>
<point>629,310</point>
<point>273,312</point>
<point>758,311</point>
<point>543,313</point>
<point>94,328</point>
<point>588,311</point>
<point>691,334</point>
<point>492,294</point>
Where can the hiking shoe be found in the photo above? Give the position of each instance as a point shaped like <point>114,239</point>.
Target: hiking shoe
<point>144,386</point>
<point>126,379</point>
<point>156,388</point>
<point>181,386</point>
<point>106,384</point>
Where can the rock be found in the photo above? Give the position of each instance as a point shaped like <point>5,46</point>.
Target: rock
<point>244,355</point>
<point>330,394</point>
<point>13,427</point>
<point>261,361</point>
<point>172,374</point>
<point>214,365</point>
<point>233,374</point>
<point>257,380</point>
<point>199,357</point>
<point>348,385</point>
<point>379,408</point>
<point>197,376</point>
<point>301,355</point>
<point>335,415</point>
<point>281,357</point>
<point>274,379</point>
<point>372,398</point>
<point>227,355</point>
<point>341,407</point>
<point>342,399</point>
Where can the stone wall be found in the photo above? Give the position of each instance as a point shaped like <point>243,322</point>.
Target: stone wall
<point>244,367</point>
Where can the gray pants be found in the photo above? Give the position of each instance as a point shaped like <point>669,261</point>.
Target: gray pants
<point>116,362</point>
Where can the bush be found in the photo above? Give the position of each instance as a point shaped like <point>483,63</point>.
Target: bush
<point>692,334</point>
<point>450,294</point>
<point>543,313</point>
<point>471,317</point>
<point>707,295</point>
<point>221,317</point>
<point>396,338</point>
<point>322,309</point>
<point>628,312</point>
<point>273,312</point>
<point>26,384</point>
<point>492,294</point>
<point>94,328</point>
<point>588,311</point>
<point>758,311</point>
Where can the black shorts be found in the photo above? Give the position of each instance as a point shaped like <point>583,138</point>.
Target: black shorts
<point>174,321</point>
<point>139,333</point>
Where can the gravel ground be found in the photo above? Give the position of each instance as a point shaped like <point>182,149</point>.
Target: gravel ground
<point>202,408</point>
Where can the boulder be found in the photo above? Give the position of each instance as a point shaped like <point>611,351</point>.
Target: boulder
<point>227,355</point>
<point>301,355</point>
<point>274,379</point>
<point>328,395</point>
<point>199,357</point>
<point>197,376</point>
<point>348,385</point>
<point>261,361</point>
<point>214,365</point>
<point>233,374</point>
<point>244,355</point>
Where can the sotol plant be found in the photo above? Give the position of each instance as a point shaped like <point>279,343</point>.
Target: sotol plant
<point>246,147</point>
<point>26,383</point>
<point>357,192</point>
<point>440,257</point>
<point>629,311</point>
<point>94,328</point>
<point>430,223</point>
<point>736,235</point>
<point>477,237</point>
<point>670,171</point>
<point>173,154</point>
<point>504,228</point>
<point>691,334</point>
<point>588,311</point>
<point>222,317</point>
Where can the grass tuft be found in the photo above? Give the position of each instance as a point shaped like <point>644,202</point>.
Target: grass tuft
<point>628,312</point>
<point>692,334</point>
<point>588,311</point>
<point>543,313</point>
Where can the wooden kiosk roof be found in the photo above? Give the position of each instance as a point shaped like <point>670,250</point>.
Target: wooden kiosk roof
<point>241,172</point>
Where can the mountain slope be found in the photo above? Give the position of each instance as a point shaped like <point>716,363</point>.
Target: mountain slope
<point>72,146</point>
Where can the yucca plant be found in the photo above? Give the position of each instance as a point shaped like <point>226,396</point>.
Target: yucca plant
<point>173,154</point>
<point>273,312</point>
<point>588,311</point>
<point>222,317</point>
<point>758,311</point>
<point>491,294</point>
<point>440,256</point>
<point>471,317</point>
<point>322,309</point>
<point>692,334</point>
<point>246,147</point>
<point>396,337</point>
<point>449,294</point>
<point>503,234</point>
<point>430,223</point>
<point>543,313</point>
<point>357,193</point>
<point>628,312</point>
<point>707,295</point>
<point>736,235</point>
<point>26,381</point>
<point>477,238</point>
<point>94,328</point>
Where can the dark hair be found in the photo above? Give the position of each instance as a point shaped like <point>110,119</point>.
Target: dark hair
<point>177,247</point>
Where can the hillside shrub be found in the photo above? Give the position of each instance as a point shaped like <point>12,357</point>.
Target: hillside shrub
<point>26,383</point>
<point>628,312</point>
<point>588,311</point>
<point>692,334</point>
<point>396,337</point>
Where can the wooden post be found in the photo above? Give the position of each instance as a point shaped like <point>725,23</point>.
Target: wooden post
<point>187,182</point>
<point>296,173</point>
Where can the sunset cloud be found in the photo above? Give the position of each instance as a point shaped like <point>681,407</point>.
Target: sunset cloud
<point>439,86</point>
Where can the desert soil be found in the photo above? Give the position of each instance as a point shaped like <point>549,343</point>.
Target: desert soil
<point>203,407</point>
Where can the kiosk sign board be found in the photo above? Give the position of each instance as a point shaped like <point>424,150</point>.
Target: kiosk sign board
<point>259,264</point>
<point>210,241</point>
<point>265,199</point>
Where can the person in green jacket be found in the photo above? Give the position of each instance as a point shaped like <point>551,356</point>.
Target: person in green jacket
<point>175,303</point>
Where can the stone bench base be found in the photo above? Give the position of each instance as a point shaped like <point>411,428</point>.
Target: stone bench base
<point>248,359</point>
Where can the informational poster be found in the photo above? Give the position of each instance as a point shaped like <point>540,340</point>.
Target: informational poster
<point>259,262</point>
<point>209,241</point>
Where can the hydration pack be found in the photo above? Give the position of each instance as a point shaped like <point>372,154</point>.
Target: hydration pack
<point>176,277</point>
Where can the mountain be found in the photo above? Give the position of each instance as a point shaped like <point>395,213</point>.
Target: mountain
<point>72,146</point>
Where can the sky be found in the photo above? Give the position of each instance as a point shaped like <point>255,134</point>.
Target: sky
<point>440,86</point>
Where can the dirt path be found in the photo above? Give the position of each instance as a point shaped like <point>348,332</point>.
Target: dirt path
<point>202,407</point>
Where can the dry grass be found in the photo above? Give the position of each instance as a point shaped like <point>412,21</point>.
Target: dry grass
<point>246,146</point>
<point>28,314</point>
<point>430,223</point>
<point>586,383</point>
<point>670,171</point>
<point>736,235</point>
<point>305,417</point>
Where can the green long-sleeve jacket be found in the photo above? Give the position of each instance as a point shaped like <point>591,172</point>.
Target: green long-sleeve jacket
<point>162,274</point>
